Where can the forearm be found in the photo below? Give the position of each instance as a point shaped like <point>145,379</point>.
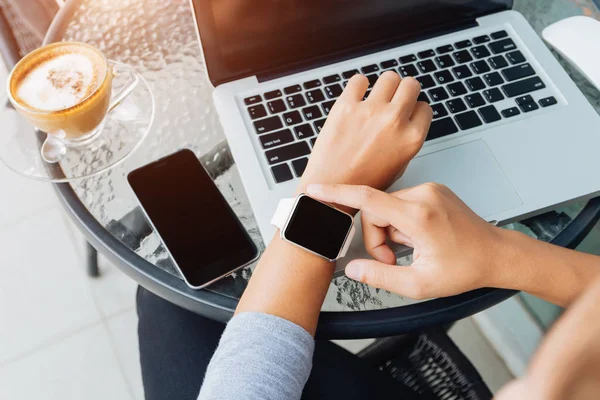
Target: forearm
<point>552,273</point>
<point>290,283</point>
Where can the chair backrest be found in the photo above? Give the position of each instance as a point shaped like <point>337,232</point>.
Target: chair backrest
<point>22,26</point>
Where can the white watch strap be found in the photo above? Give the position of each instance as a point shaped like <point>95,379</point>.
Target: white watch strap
<point>283,212</point>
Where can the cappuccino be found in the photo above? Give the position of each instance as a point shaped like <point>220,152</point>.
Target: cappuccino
<point>58,79</point>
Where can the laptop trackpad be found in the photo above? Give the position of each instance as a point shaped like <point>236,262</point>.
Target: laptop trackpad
<point>471,171</point>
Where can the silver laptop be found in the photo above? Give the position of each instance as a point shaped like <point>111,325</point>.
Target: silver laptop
<point>512,135</point>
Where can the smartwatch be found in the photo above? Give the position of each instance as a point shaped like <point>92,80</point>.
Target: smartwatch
<point>314,226</point>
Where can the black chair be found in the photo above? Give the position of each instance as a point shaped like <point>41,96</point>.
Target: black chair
<point>16,41</point>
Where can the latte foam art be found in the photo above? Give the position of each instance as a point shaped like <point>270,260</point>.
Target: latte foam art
<point>58,83</point>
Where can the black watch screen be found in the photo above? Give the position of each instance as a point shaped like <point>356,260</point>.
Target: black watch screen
<point>318,227</point>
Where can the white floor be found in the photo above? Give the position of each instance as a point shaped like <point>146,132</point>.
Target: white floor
<point>65,336</point>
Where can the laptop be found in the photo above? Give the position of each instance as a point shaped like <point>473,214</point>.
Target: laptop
<point>512,135</point>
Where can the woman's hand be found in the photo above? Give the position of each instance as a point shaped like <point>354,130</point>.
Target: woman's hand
<point>454,249</point>
<point>370,142</point>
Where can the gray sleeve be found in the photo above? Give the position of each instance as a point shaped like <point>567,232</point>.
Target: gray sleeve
<point>260,356</point>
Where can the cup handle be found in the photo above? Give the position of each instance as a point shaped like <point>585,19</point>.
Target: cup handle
<point>134,78</point>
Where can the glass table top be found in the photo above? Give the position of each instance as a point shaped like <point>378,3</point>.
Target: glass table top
<point>158,38</point>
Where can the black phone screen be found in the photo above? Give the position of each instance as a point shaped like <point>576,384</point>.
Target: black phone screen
<point>196,224</point>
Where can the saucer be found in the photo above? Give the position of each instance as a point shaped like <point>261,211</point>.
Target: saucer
<point>123,131</point>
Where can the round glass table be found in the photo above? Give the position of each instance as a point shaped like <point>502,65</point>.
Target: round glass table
<point>158,38</point>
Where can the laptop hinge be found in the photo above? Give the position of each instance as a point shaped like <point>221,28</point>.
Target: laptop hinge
<point>365,50</point>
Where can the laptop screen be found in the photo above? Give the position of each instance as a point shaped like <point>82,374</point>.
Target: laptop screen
<point>248,37</point>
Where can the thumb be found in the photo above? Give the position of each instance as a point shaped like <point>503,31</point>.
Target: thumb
<point>393,278</point>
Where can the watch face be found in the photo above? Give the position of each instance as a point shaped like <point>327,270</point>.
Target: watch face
<point>318,227</point>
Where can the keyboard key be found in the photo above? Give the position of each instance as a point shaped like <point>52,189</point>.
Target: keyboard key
<point>489,114</point>
<point>408,70</point>
<point>498,62</point>
<point>288,152</point>
<point>327,106</point>
<point>332,79</point>
<point>456,105</point>
<point>515,57</point>
<point>444,61</point>
<point>312,112</point>
<point>445,49</point>
<point>462,71</point>
<point>426,81</point>
<point>369,69</point>
<point>296,101</point>
<point>443,77</point>
<point>548,101</point>
<point>319,124</point>
<point>389,64</point>
<point>480,52</point>
<point>475,84</point>
<point>502,46</point>
<point>456,89</point>
<point>276,106</point>
<point>426,54</point>
<point>441,127</point>
<point>475,100</point>
<point>268,124</point>
<point>423,97</point>
<point>281,173</point>
<point>292,118</point>
<point>493,95</point>
<point>468,120</point>
<point>521,87</point>
<point>257,111</point>
<point>511,112</point>
<point>480,67</point>
<point>518,72</point>
<point>349,74</point>
<point>299,166</point>
<point>493,79</point>
<point>273,94</point>
<point>462,44</point>
<point>252,100</point>
<point>333,91</point>
<point>529,107</point>
<point>524,99</point>
<point>408,59</point>
<point>304,131</point>
<point>367,94</point>
<point>312,84</point>
<point>438,94</point>
<point>292,89</point>
<point>276,138</point>
<point>462,56</point>
<point>372,79</point>
<point>499,35</point>
<point>315,96</point>
<point>426,66</point>
<point>313,141</point>
<point>481,39</point>
<point>439,110</point>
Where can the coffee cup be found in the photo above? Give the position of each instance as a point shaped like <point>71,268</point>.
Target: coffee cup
<point>66,90</point>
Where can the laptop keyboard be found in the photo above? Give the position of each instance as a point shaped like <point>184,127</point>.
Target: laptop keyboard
<point>461,81</point>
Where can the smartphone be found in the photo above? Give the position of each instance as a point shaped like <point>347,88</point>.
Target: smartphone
<point>201,232</point>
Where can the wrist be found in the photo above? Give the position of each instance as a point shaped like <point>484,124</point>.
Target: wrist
<point>508,268</point>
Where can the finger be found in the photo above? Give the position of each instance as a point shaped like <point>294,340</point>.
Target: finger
<point>406,96</point>
<point>398,237</point>
<point>382,205</point>
<point>356,89</point>
<point>374,237</point>
<point>420,119</point>
<point>404,281</point>
<point>385,87</point>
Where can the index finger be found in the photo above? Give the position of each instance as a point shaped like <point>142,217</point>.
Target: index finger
<point>355,89</point>
<point>380,204</point>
